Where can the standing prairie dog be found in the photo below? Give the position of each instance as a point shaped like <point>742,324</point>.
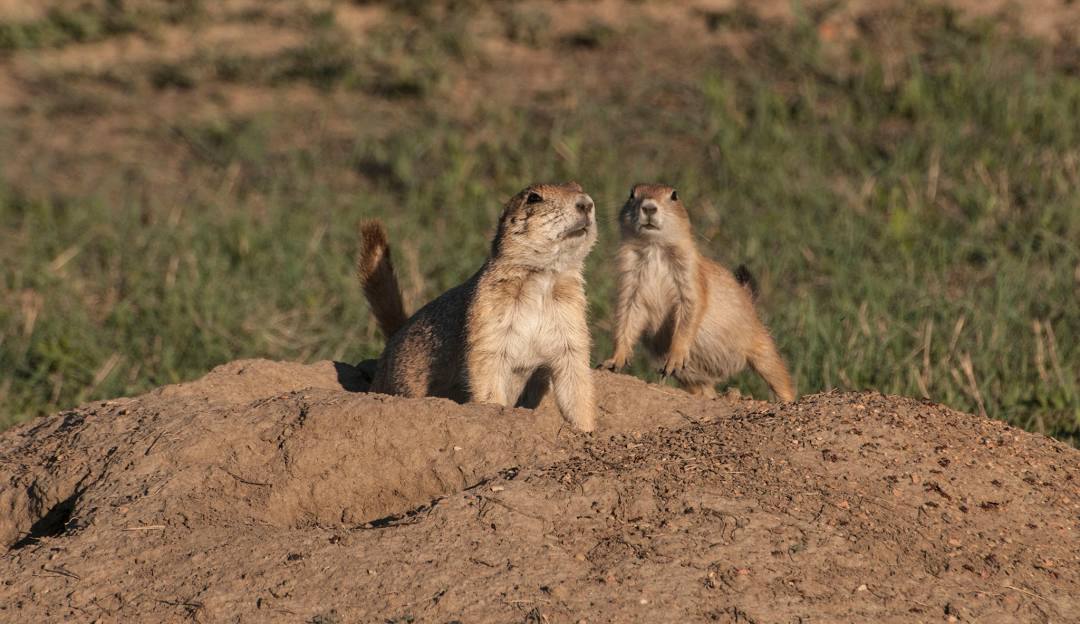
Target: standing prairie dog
<point>693,313</point>
<point>512,330</point>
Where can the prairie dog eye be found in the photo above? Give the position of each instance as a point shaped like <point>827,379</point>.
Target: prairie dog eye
<point>674,196</point>
<point>534,198</point>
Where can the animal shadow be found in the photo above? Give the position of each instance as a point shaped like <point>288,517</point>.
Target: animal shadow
<point>355,378</point>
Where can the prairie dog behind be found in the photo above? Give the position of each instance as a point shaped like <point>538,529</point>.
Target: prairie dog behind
<point>692,312</point>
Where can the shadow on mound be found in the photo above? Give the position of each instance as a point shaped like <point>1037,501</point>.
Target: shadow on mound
<point>52,524</point>
<point>358,378</point>
<point>355,378</point>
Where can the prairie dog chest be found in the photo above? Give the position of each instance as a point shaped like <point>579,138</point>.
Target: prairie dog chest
<point>533,324</point>
<point>656,285</point>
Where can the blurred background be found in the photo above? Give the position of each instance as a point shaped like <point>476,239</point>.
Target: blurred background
<point>180,180</point>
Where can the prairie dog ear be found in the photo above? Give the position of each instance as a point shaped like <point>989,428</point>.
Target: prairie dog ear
<point>674,195</point>
<point>574,186</point>
<point>633,189</point>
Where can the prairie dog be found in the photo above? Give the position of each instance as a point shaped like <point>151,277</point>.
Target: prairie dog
<point>512,330</point>
<point>692,312</point>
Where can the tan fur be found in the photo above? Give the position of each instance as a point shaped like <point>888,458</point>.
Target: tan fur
<point>514,329</point>
<point>691,311</point>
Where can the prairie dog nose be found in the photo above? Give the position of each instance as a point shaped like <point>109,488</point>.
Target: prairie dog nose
<point>584,204</point>
<point>648,208</point>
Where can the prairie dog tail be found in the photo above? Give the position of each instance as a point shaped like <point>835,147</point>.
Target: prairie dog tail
<point>376,273</point>
<point>747,281</point>
<point>766,361</point>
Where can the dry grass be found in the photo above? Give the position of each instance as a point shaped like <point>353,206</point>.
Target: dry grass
<point>175,194</point>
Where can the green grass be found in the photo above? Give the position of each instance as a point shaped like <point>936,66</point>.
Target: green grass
<point>88,22</point>
<point>914,222</point>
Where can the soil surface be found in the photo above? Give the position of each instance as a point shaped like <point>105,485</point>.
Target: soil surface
<point>280,492</point>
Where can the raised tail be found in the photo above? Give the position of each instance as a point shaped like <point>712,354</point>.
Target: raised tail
<point>747,281</point>
<point>376,273</point>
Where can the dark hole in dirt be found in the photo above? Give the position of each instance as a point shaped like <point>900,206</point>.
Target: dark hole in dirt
<point>51,524</point>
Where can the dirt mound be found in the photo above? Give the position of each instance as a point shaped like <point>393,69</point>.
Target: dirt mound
<point>276,492</point>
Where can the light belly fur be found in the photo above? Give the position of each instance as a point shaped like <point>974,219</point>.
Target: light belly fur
<point>718,350</point>
<point>658,293</point>
<point>532,334</point>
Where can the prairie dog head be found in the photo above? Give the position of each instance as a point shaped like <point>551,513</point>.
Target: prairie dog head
<point>547,226</point>
<point>654,212</point>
